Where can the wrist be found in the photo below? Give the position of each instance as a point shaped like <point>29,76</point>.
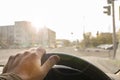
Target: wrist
<point>10,76</point>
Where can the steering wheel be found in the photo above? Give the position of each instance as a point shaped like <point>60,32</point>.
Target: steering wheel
<point>73,68</point>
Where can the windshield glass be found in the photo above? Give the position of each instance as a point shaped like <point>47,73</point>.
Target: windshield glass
<point>89,29</point>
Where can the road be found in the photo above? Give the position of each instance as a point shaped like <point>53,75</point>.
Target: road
<point>5,53</point>
<point>95,56</point>
<point>81,52</point>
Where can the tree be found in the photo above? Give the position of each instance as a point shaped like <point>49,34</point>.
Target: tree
<point>86,41</point>
<point>105,38</point>
<point>102,38</point>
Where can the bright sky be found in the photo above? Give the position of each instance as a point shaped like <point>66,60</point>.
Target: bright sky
<point>62,16</point>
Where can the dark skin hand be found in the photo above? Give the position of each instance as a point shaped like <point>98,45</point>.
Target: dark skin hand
<point>28,64</point>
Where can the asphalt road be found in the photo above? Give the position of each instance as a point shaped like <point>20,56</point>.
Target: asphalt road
<point>5,53</point>
<point>101,58</point>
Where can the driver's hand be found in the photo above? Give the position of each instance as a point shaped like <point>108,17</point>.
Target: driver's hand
<point>28,64</point>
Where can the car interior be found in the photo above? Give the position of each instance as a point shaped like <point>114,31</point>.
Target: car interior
<point>73,68</point>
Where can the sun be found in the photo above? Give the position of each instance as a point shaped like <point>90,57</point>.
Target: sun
<point>37,25</point>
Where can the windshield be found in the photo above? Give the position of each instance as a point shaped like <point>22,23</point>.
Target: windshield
<point>89,29</point>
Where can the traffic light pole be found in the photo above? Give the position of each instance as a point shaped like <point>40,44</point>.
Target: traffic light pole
<point>114,31</point>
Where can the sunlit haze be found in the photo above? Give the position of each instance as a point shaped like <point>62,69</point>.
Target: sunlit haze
<point>62,16</point>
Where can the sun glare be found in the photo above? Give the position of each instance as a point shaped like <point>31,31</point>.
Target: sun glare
<point>37,25</point>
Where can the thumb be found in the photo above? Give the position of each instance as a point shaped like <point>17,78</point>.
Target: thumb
<point>49,64</point>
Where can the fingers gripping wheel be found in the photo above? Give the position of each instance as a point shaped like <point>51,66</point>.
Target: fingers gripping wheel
<point>73,68</point>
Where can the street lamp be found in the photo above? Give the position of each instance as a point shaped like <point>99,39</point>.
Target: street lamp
<point>119,12</point>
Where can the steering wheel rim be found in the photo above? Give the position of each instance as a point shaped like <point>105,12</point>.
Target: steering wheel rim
<point>79,64</point>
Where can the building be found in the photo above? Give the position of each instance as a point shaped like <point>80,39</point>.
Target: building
<point>6,35</point>
<point>24,33</point>
<point>47,37</point>
<point>21,34</point>
<point>62,43</point>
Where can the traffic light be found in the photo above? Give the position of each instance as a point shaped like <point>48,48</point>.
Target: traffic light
<point>109,1</point>
<point>108,10</point>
